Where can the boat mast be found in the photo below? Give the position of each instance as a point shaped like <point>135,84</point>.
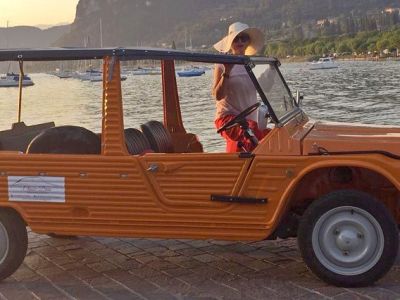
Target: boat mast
<point>21,78</point>
<point>7,34</point>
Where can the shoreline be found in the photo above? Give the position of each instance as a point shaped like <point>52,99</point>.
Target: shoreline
<point>344,58</point>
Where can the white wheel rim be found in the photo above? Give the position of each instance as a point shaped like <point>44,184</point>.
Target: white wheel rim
<point>4,243</point>
<point>348,240</point>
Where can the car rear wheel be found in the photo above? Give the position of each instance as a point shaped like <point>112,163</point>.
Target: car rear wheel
<point>13,242</point>
<point>347,238</point>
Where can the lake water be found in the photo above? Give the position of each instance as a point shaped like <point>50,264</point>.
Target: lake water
<point>367,92</point>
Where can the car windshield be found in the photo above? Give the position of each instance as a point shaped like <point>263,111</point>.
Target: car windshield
<point>274,88</point>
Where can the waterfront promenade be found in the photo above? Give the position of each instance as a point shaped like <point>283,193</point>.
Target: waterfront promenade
<point>111,268</point>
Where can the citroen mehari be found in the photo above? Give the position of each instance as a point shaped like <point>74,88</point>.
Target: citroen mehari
<point>334,186</point>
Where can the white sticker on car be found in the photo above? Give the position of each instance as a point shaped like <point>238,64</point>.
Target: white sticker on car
<point>36,188</point>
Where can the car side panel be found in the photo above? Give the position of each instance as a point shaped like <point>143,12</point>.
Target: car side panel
<point>276,177</point>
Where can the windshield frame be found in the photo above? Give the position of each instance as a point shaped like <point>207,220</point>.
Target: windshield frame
<point>287,116</point>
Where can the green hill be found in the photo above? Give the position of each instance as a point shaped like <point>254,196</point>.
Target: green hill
<point>159,22</point>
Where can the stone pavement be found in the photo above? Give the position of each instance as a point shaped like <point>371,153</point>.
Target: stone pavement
<point>111,268</point>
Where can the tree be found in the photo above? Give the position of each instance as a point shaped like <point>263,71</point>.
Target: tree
<point>343,47</point>
<point>382,44</point>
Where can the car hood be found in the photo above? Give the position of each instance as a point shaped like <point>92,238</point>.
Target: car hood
<point>349,137</point>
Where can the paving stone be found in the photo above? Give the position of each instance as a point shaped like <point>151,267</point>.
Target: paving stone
<point>170,284</point>
<point>160,265</point>
<point>206,258</point>
<point>34,261</point>
<point>156,250</point>
<point>190,263</point>
<point>259,265</point>
<point>222,243</point>
<point>112,288</point>
<point>350,296</point>
<point>240,248</point>
<point>74,287</point>
<point>190,251</point>
<point>25,274</point>
<point>330,291</point>
<point>176,272</point>
<point>198,243</point>
<point>52,270</point>
<point>61,242</point>
<point>116,268</point>
<point>146,258</point>
<point>83,272</point>
<point>230,267</point>
<point>249,289</point>
<point>11,289</point>
<point>178,259</point>
<point>139,287</point>
<point>145,272</point>
<point>213,289</point>
<point>128,249</point>
<point>379,293</point>
<point>102,266</point>
<point>214,249</point>
<point>143,243</point>
<point>236,257</point>
<point>61,259</point>
<point>43,289</point>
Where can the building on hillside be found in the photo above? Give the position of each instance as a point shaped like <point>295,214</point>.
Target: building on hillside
<point>392,10</point>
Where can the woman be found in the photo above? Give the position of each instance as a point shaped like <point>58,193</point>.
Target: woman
<point>233,89</point>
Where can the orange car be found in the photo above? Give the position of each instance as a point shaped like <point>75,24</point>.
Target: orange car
<point>334,186</point>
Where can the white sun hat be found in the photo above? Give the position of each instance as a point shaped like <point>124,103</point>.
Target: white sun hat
<point>256,38</point>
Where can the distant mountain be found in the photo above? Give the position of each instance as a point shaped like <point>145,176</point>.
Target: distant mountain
<point>203,22</point>
<point>159,22</point>
<point>31,37</point>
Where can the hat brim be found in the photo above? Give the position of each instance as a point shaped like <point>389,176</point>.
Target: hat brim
<point>256,41</point>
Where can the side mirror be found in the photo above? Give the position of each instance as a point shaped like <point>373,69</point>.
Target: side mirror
<point>299,98</point>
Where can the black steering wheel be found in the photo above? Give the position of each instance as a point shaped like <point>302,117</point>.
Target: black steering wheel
<point>239,118</point>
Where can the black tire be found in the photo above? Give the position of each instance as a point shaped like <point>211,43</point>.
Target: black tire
<point>13,242</point>
<point>348,238</point>
<point>135,141</point>
<point>66,140</point>
<point>158,136</point>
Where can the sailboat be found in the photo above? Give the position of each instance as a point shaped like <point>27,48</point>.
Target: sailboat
<point>12,80</point>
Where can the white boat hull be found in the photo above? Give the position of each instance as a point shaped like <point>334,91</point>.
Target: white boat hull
<point>12,81</point>
<point>324,63</point>
<point>320,67</point>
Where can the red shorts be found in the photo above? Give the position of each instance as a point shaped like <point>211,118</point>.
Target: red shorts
<point>235,134</point>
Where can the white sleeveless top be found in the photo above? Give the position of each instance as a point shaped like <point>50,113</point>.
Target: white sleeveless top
<point>241,94</point>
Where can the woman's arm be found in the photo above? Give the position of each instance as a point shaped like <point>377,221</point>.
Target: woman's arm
<point>220,76</point>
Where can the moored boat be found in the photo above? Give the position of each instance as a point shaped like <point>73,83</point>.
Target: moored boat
<point>191,72</point>
<point>99,77</point>
<point>324,63</point>
<point>63,74</point>
<point>90,74</point>
<point>12,80</point>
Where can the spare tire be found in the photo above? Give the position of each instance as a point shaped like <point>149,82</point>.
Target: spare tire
<point>159,137</point>
<point>66,140</point>
<point>135,141</point>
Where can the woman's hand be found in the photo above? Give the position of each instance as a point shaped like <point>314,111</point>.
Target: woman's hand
<point>220,90</point>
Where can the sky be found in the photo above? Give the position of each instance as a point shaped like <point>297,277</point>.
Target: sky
<point>37,12</point>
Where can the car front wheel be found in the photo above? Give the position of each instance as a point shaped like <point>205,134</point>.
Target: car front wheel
<point>347,238</point>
